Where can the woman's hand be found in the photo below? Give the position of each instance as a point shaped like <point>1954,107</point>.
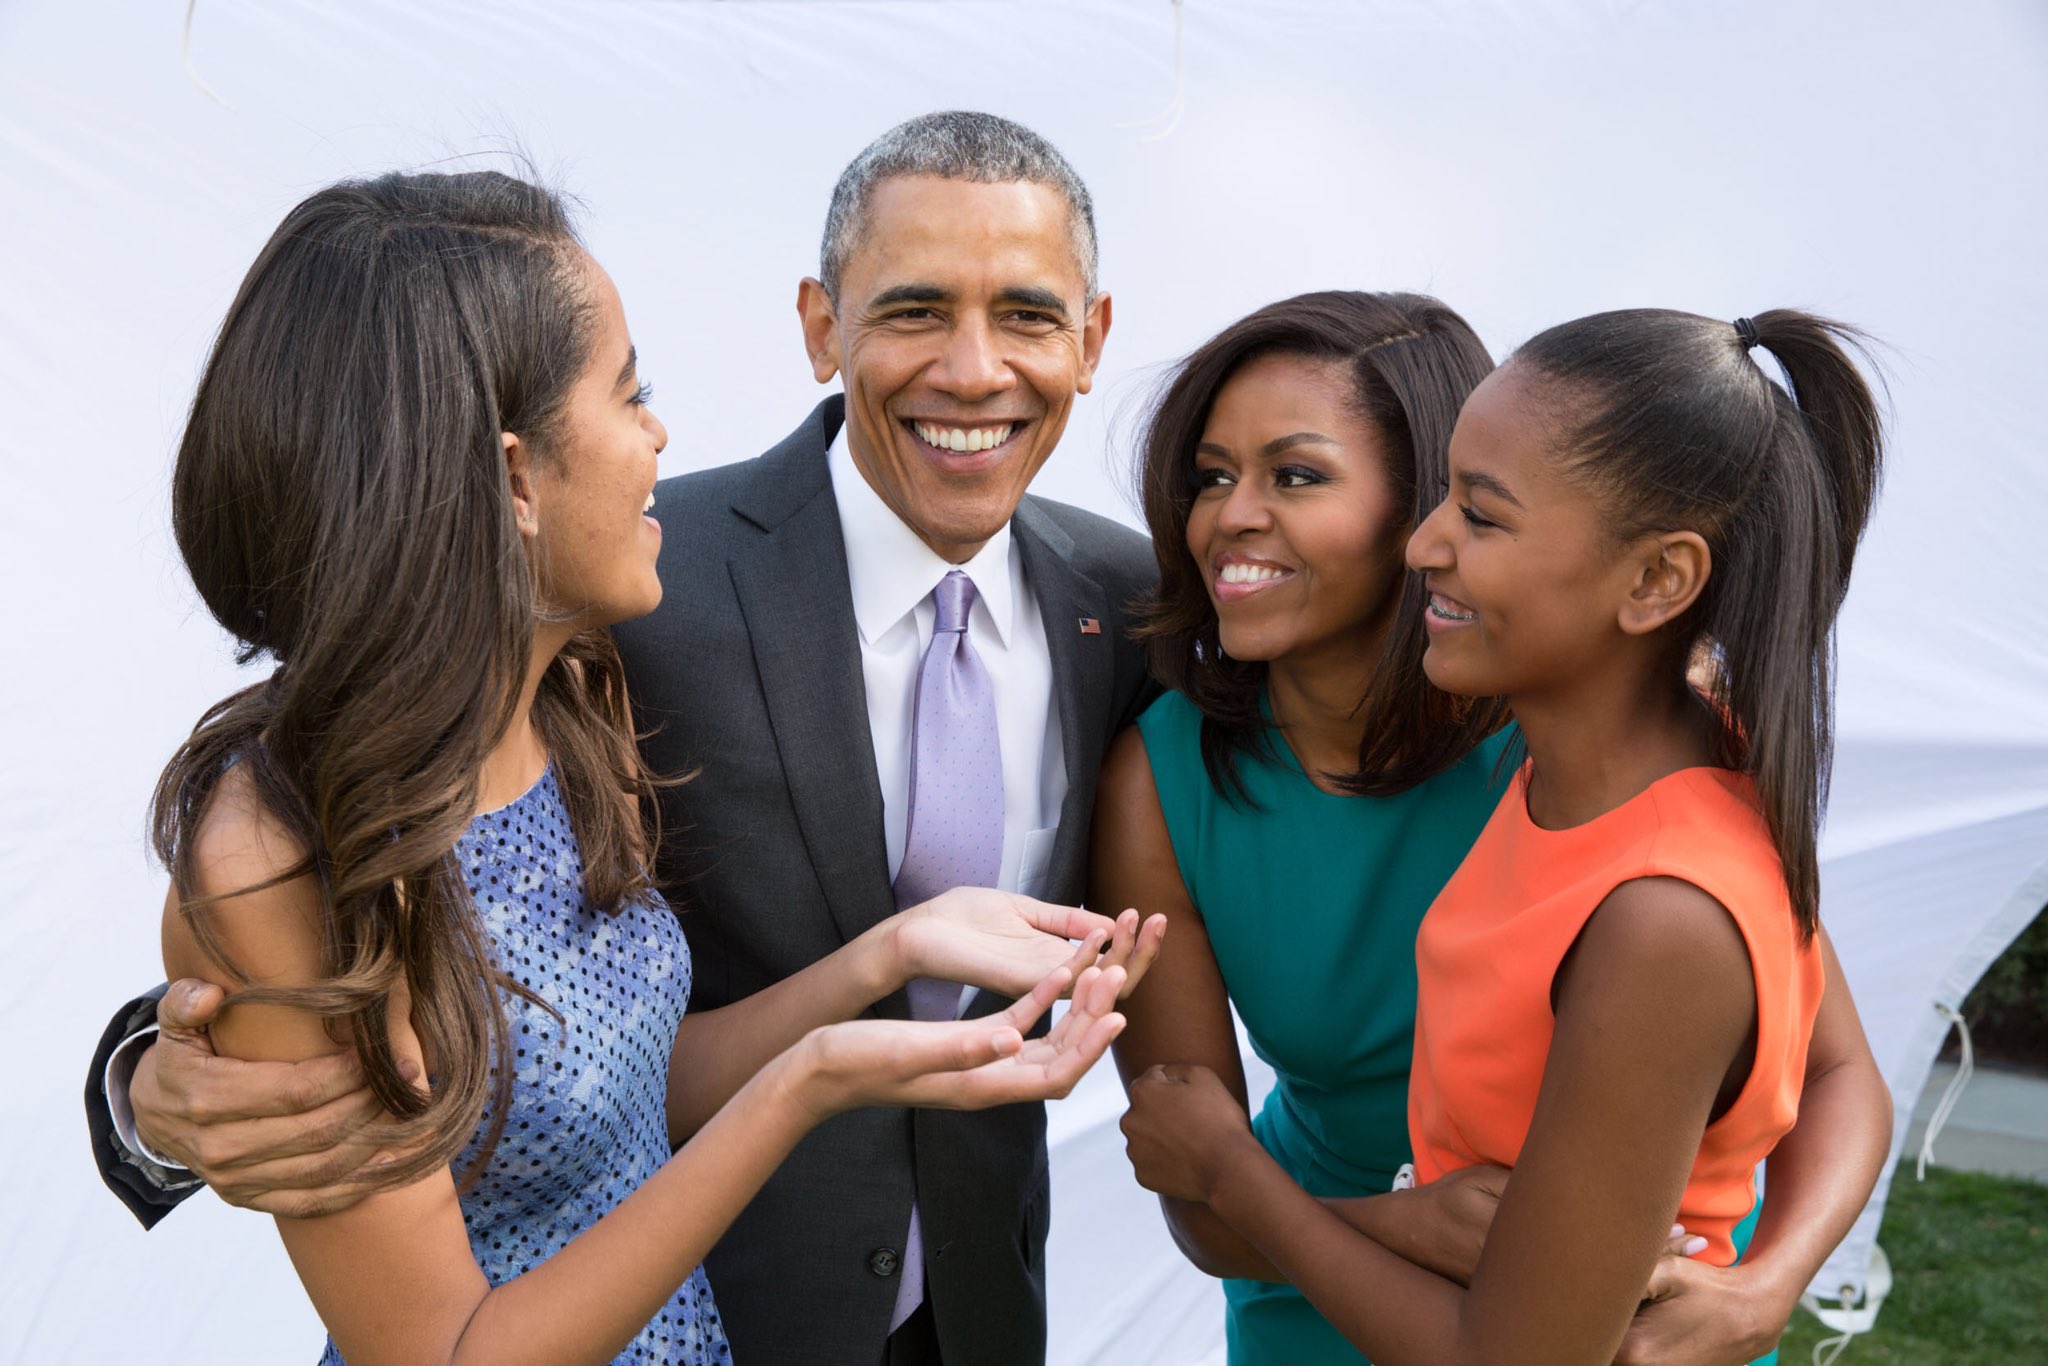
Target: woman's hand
<point>963,1064</point>
<point>1183,1130</point>
<point>1697,1314</point>
<point>1441,1226</point>
<point>1007,943</point>
<point>1462,1206</point>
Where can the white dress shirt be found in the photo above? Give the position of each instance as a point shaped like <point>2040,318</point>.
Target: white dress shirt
<point>892,574</point>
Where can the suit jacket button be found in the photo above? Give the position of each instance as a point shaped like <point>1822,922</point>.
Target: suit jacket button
<point>882,1261</point>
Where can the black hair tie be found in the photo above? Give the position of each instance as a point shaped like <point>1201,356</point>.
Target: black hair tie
<point>1746,329</point>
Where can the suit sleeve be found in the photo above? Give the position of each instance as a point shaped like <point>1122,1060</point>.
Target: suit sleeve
<point>149,1189</point>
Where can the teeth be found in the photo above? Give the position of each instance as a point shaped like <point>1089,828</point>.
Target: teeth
<point>1250,573</point>
<point>963,438</point>
<point>1438,607</point>
<point>650,504</point>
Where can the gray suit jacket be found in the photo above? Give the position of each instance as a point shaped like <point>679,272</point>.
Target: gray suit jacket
<point>750,673</point>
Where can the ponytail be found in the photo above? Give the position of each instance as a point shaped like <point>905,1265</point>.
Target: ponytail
<point>1677,425</point>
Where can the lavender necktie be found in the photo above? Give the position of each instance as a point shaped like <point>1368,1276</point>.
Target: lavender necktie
<point>955,832</point>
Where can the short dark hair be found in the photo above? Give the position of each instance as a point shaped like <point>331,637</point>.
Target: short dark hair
<point>1412,361</point>
<point>1674,426</point>
<point>954,145</point>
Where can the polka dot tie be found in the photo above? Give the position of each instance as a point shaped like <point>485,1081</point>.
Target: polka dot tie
<point>955,833</point>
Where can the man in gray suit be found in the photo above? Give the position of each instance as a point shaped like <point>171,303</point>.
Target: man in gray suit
<point>957,304</point>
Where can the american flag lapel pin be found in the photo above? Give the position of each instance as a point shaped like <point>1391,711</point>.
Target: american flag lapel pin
<point>1090,626</point>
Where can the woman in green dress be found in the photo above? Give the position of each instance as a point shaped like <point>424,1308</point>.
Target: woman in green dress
<point>1297,798</point>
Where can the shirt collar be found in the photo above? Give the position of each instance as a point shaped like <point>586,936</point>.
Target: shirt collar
<point>891,571</point>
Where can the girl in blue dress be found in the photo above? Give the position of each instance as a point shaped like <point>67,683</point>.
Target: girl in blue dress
<point>415,476</point>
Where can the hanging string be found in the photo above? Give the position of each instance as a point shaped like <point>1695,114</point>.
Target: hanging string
<point>1828,1351</point>
<point>185,58</point>
<point>1176,106</point>
<point>1854,1312</point>
<point>1954,1093</point>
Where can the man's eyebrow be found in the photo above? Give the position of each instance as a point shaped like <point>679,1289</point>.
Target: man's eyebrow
<point>909,294</point>
<point>1486,483</point>
<point>626,370</point>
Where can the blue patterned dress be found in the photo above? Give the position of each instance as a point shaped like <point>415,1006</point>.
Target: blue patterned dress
<point>588,1117</point>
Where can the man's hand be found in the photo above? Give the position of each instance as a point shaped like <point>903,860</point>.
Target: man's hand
<point>1701,1315</point>
<point>1007,942</point>
<point>282,1138</point>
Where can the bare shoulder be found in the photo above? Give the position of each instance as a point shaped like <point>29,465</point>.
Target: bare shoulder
<point>1129,821</point>
<point>1665,944</point>
<point>1667,918</point>
<point>1126,776</point>
<point>1132,861</point>
<point>246,879</point>
<point>240,842</point>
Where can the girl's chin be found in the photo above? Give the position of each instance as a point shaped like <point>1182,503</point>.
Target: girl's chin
<point>1446,676</point>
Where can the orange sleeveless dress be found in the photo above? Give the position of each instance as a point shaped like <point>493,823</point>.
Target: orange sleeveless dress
<point>1492,942</point>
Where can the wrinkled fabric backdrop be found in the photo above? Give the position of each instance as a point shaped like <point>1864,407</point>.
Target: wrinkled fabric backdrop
<point>1529,161</point>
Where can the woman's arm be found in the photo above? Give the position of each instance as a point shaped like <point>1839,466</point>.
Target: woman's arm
<point>1821,1174</point>
<point>393,1277</point>
<point>1652,1006</point>
<point>1698,1314</point>
<point>1000,941</point>
<point>1183,1014</point>
<point>1184,1017</point>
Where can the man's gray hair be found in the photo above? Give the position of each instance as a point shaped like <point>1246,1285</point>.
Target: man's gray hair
<point>956,145</point>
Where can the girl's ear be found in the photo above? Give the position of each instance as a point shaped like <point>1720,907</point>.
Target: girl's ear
<point>1671,572</point>
<point>519,477</point>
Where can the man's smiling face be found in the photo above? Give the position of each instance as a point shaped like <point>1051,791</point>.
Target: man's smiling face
<point>963,331</point>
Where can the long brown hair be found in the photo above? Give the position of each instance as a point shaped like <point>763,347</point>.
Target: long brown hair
<point>341,503</point>
<point>1675,426</point>
<point>1412,362</point>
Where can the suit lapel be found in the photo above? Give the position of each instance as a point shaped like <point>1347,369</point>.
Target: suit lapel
<point>792,589</point>
<point>1083,674</point>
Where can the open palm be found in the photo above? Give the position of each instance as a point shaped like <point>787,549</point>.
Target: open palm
<point>971,1064</point>
<point>1007,942</point>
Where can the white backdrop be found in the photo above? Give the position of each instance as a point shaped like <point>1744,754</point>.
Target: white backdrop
<point>1528,161</point>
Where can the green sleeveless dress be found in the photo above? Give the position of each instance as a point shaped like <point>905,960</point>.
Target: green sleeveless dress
<point>1312,902</point>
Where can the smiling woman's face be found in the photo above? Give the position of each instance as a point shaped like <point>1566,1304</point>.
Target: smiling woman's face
<point>596,546</point>
<point>1525,588</point>
<point>1294,525</point>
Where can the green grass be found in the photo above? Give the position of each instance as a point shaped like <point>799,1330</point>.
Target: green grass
<point>1969,1258</point>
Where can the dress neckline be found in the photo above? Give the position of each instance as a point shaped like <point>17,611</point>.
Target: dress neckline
<point>547,771</point>
<point>1726,778</point>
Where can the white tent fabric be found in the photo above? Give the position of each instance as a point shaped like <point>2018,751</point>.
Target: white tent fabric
<point>1881,161</point>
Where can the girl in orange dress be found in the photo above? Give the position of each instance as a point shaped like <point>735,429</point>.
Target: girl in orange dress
<point>1643,546</point>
